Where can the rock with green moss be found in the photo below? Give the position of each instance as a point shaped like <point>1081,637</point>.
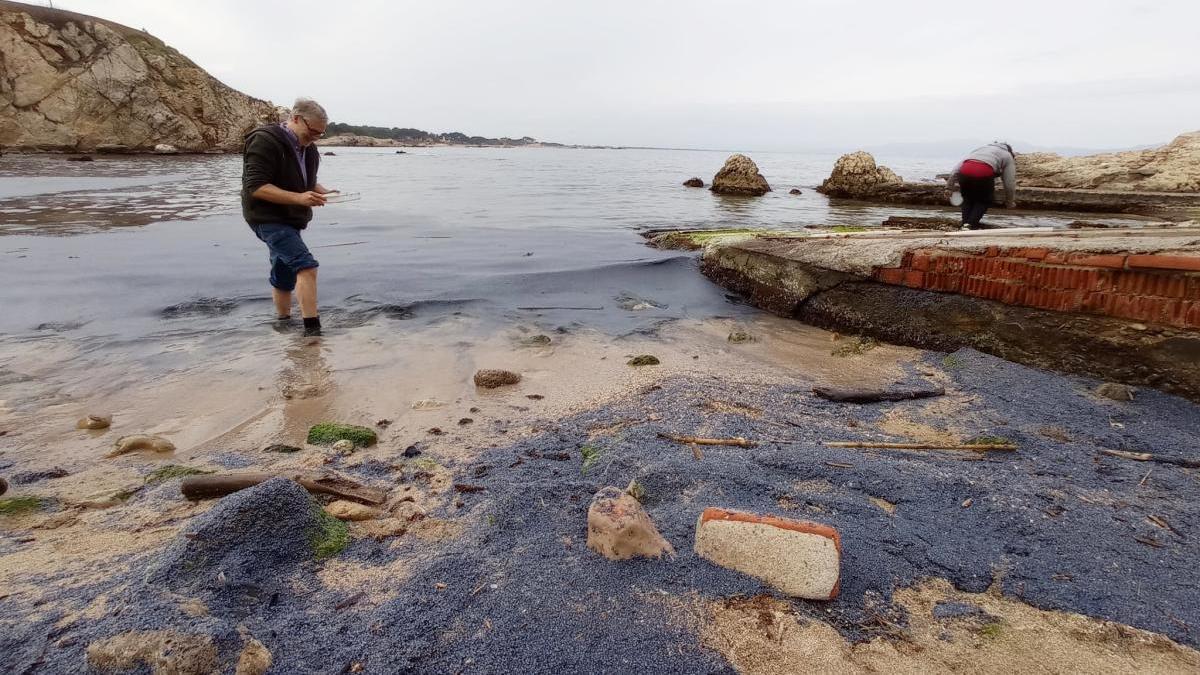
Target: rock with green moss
<point>328,433</point>
<point>330,535</point>
<point>644,360</point>
<point>738,337</point>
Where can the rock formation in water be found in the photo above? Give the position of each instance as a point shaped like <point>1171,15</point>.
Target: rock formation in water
<point>1174,167</point>
<point>856,174</point>
<point>71,82</point>
<point>740,176</point>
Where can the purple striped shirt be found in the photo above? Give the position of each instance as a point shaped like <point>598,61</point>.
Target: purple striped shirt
<point>299,151</point>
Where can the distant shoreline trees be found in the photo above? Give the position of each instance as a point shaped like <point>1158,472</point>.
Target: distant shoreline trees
<point>418,136</point>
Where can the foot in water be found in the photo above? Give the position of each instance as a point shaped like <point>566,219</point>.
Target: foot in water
<point>283,324</point>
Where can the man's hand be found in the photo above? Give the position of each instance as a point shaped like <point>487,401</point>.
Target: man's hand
<point>310,198</point>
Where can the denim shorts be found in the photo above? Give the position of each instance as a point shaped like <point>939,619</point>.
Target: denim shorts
<point>288,254</point>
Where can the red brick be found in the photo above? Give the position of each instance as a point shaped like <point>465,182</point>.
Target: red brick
<point>906,261</point>
<point>890,275</point>
<point>992,251</point>
<point>1192,318</point>
<point>920,261</point>
<point>1055,258</point>
<point>913,278</point>
<point>1111,261</point>
<point>1037,253</point>
<point>1123,305</point>
<point>1186,263</point>
<point>800,558</point>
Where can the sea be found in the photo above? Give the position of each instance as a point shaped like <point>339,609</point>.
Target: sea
<point>143,264</point>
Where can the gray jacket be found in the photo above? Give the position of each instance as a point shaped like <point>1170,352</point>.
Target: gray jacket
<point>1002,162</point>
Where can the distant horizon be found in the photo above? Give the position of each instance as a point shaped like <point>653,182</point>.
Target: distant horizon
<point>809,75</point>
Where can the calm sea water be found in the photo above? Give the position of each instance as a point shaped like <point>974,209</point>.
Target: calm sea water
<point>147,261</point>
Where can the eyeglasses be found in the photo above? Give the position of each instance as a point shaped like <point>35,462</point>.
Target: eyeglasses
<point>311,132</point>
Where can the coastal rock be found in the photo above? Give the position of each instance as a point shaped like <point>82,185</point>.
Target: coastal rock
<point>856,174</point>
<point>644,360</point>
<point>738,337</point>
<point>1174,167</point>
<point>140,443</point>
<point>356,141</point>
<point>740,176</point>
<point>255,659</point>
<point>28,477</point>
<point>794,191</point>
<point>343,447</point>
<point>3,486</point>
<point>1115,392</point>
<point>693,182</point>
<point>78,83</point>
<point>165,149</point>
<point>94,422</point>
<point>491,379</point>
<point>619,528</point>
<point>81,158</point>
<point>329,433</point>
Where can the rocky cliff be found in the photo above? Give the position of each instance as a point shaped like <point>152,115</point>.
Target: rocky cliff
<point>70,82</point>
<point>1174,167</point>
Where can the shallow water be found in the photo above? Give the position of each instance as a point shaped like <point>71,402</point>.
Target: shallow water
<point>130,267</point>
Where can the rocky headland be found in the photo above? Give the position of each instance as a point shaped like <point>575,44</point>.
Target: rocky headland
<point>1163,182</point>
<point>75,83</point>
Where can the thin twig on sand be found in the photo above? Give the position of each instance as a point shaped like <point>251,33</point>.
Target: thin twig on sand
<point>922,446</point>
<point>1147,457</point>
<point>739,442</point>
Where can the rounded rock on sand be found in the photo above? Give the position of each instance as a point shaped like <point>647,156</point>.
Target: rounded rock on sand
<point>141,443</point>
<point>492,379</point>
<point>347,510</point>
<point>94,422</point>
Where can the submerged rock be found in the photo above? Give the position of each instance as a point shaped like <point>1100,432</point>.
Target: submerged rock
<point>644,360</point>
<point>794,191</point>
<point>619,528</point>
<point>491,379</point>
<point>281,448</point>
<point>27,477</point>
<point>738,337</point>
<point>740,176</point>
<point>693,182</point>
<point>857,174</point>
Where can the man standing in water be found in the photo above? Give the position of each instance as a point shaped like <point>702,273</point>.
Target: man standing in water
<point>976,178</point>
<point>279,191</point>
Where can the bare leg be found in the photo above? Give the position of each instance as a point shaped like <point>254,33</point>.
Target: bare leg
<point>306,292</point>
<point>283,303</point>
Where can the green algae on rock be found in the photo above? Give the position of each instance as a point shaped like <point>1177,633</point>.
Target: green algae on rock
<point>644,360</point>
<point>17,506</point>
<point>330,535</point>
<point>170,471</point>
<point>328,433</point>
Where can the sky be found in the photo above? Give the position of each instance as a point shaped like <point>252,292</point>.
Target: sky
<point>769,75</point>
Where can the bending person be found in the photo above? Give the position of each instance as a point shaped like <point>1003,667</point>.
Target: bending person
<point>975,177</point>
<point>279,191</point>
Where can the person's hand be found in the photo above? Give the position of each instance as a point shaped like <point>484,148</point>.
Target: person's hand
<point>310,198</point>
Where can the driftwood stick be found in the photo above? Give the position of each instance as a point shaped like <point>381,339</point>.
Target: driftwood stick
<point>921,446</point>
<point>739,442</point>
<point>219,485</point>
<point>1147,457</point>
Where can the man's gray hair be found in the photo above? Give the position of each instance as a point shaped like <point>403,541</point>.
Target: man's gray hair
<point>310,110</point>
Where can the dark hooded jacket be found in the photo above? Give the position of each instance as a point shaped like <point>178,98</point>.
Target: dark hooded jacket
<point>268,157</point>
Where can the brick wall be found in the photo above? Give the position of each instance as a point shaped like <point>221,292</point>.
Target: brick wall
<point>1160,289</point>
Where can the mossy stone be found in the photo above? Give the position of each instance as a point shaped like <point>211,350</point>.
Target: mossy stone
<point>328,433</point>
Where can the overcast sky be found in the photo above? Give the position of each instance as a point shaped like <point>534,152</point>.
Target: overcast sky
<point>789,74</point>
